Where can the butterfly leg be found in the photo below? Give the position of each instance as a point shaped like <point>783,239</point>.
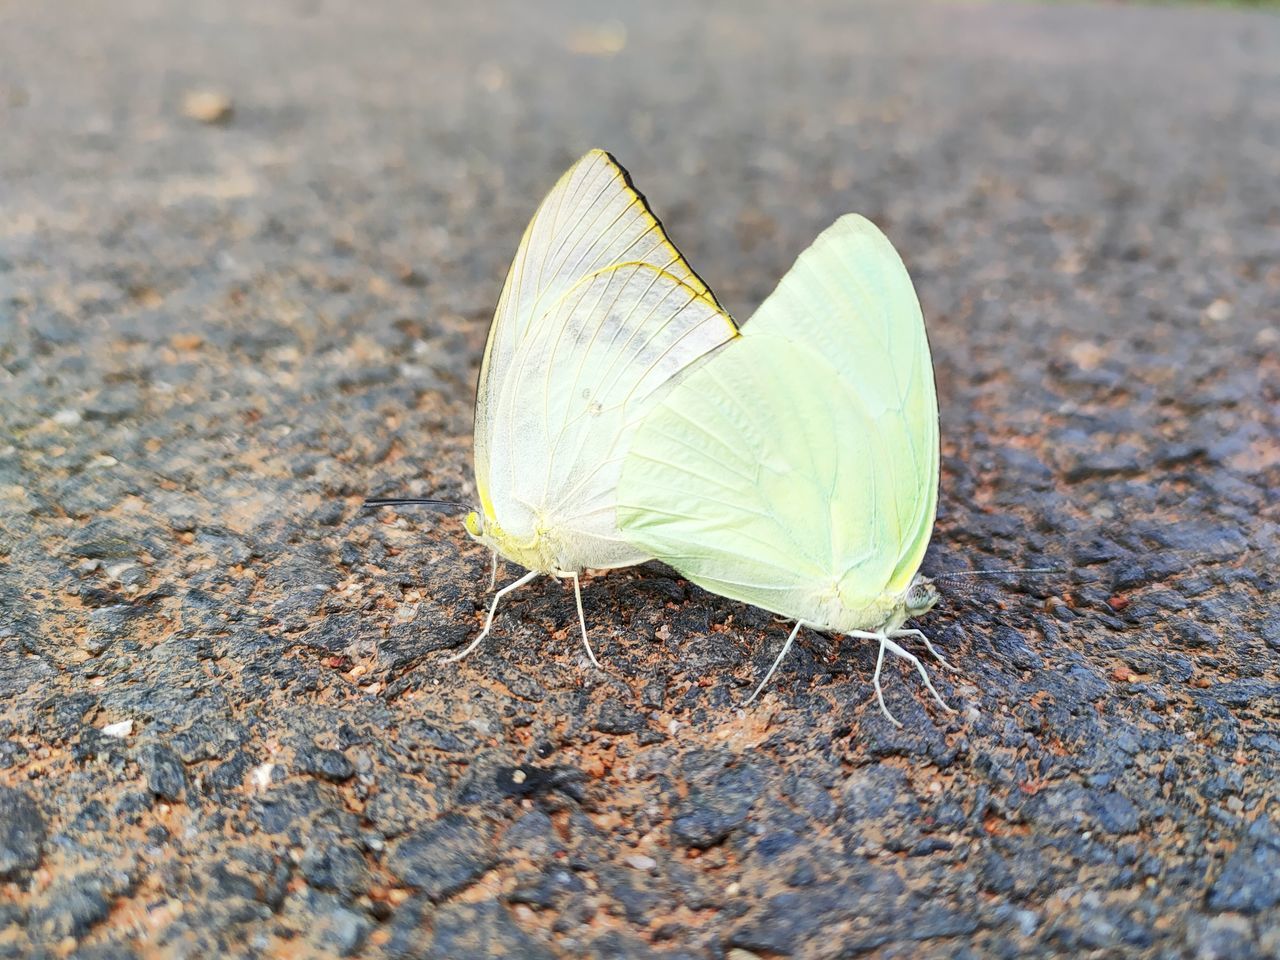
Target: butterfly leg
<point>888,644</point>
<point>785,647</point>
<point>493,608</point>
<point>582,620</point>
<point>493,569</point>
<point>912,658</point>
<point>875,677</point>
<point>927,645</point>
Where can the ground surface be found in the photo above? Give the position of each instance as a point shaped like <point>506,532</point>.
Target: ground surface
<point>226,729</point>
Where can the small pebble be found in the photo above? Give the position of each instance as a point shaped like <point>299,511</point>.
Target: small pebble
<point>120,729</point>
<point>117,570</point>
<point>260,776</point>
<point>1218,311</point>
<point>207,106</point>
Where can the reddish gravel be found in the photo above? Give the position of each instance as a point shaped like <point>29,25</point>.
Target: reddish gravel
<point>248,255</point>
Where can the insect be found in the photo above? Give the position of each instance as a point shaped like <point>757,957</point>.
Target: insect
<point>599,310</point>
<point>797,468</point>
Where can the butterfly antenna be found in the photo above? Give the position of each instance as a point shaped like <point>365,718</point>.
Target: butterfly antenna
<point>970,589</point>
<point>958,574</point>
<point>415,502</point>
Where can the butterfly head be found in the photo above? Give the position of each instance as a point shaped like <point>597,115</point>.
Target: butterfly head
<point>920,597</point>
<point>537,551</point>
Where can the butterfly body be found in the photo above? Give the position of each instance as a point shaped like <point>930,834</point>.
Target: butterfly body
<point>541,549</point>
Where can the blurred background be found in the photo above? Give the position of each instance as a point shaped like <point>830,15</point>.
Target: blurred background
<point>248,257</point>
<point>228,164</point>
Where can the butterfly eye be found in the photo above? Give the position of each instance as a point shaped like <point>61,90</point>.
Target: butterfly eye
<point>473,523</point>
<point>920,597</point>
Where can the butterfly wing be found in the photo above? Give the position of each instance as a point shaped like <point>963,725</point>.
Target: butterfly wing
<point>599,309</point>
<point>796,469</point>
<point>849,297</point>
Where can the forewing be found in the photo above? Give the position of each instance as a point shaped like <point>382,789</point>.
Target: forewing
<point>592,219</point>
<point>849,297</point>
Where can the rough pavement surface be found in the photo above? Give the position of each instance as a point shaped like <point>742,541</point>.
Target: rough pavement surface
<point>248,256</point>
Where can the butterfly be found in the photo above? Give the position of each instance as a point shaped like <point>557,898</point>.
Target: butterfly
<point>796,469</point>
<point>598,313</point>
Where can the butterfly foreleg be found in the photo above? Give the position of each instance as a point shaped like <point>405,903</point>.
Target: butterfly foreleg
<point>912,658</point>
<point>887,644</point>
<point>582,619</point>
<point>785,647</point>
<point>875,677</point>
<point>927,645</point>
<point>493,608</point>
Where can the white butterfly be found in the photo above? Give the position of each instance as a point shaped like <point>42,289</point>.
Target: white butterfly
<point>599,311</point>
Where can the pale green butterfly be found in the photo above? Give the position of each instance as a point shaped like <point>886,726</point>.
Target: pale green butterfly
<point>797,468</point>
<point>599,310</point>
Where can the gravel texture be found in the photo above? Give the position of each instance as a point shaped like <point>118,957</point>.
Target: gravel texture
<point>248,255</point>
